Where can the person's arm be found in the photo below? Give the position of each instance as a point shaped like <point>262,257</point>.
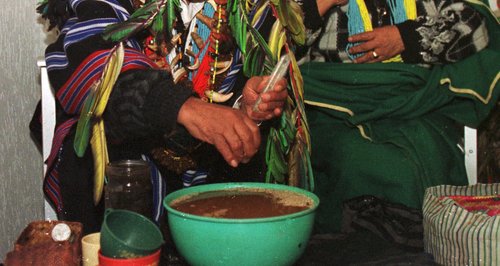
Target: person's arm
<point>452,33</point>
<point>448,32</point>
<point>234,134</point>
<point>233,131</point>
<point>147,103</point>
<point>144,103</point>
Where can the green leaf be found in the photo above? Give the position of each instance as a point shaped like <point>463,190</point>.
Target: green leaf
<point>248,59</point>
<point>122,31</point>
<point>170,17</point>
<point>157,26</point>
<point>82,135</point>
<point>142,18</point>
<point>261,42</point>
<point>238,24</point>
<point>148,9</point>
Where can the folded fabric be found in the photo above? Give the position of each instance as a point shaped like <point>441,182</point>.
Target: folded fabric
<point>393,222</point>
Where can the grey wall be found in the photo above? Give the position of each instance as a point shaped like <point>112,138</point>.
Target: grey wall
<point>21,42</point>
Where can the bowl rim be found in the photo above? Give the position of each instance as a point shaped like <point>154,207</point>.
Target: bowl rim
<point>230,185</point>
<point>133,247</point>
<point>143,259</point>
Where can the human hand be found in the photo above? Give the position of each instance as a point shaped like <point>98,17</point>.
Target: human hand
<point>272,101</point>
<point>378,45</point>
<point>232,132</point>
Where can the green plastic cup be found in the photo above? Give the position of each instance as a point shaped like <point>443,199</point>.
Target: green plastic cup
<point>275,241</point>
<point>127,234</point>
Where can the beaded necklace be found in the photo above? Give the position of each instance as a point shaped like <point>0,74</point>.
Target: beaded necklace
<point>204,65</point>
<point>211,84</point>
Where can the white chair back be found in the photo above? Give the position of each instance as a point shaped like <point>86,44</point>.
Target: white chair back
<point>48,125</point>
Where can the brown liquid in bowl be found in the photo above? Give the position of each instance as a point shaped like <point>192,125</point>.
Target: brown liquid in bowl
<point>242,203</point>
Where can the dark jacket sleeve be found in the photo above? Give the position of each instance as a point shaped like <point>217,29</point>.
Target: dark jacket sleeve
<point>445,31</point>
<point>144,103</point>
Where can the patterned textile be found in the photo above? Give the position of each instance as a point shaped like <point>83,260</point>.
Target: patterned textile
<point>73,93</point>
<point>483,204</point>
<point>393,222</point>
<point>444,31</point>
<point>456,236</point>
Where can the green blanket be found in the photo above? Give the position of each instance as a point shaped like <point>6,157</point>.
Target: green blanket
<point>392,129</point>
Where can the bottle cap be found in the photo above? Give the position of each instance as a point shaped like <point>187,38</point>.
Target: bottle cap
<point>61,232</point>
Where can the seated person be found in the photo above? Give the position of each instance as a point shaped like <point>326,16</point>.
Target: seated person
<point>394,127</point>
<point>177,95</point>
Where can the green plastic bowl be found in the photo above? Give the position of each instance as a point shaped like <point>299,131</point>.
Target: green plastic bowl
<point>128,234</point>
<point>275,241</point>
